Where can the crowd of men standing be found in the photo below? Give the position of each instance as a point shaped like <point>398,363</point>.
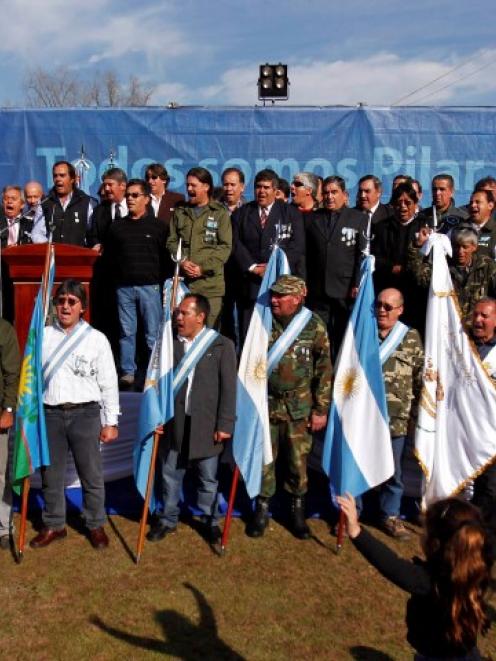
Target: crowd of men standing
<point>222,244</point>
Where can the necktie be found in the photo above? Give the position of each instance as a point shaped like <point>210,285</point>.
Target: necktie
<point>11,241</point>
<point>117,212</point>
<point>263,217</point>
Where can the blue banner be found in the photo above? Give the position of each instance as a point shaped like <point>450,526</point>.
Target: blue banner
<point>345,141</point>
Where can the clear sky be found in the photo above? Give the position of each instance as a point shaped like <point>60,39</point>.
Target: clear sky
<point>207,52</point>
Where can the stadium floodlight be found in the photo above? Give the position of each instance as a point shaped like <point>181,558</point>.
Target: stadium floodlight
<point>273,82</point>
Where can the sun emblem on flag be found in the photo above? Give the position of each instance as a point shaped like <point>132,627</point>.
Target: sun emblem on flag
<point>26,378</point>
<point>259,370</point>
<point>349,384</point>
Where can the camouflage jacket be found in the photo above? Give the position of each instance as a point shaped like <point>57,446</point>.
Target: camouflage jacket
<point>207,241</point>
<point>470,285</point>
<point>301,382</point>
<point>402,373</point>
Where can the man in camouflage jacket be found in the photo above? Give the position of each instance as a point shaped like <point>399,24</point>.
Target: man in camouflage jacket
<point>299,396</point>
<point>402,372</point>
<point>205,229</point>
<point>473,274</point>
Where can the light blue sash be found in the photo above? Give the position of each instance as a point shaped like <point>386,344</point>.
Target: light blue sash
<point>393,340</point>
<point>59,355</point>
<point>284,341</point>
<point>190,359</point>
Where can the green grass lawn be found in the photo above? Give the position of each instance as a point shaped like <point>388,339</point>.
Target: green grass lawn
<point>271,598</point>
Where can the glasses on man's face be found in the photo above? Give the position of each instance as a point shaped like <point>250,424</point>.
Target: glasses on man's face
<point>152,176</point>
<point>134,195</point>
<point>386,306</point>
<point>70,300</point>
<point>297,184</point>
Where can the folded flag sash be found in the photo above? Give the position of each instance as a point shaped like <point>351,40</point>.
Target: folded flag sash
<point>393,340</point>
<point>286,339</point>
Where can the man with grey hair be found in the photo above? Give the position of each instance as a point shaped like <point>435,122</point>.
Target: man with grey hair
<point>15,228</point>
<point>473,274</point>
<point>304,189</point>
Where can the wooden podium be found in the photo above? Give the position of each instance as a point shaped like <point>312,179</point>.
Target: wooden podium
<point>26,264</point>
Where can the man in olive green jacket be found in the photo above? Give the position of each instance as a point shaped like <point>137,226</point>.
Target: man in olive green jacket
<point>9,381</point>
<point>205,229</point>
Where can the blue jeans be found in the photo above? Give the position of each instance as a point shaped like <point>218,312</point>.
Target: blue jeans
<point>392,489</point>
<point>172,482</point>
<point>147,300</point>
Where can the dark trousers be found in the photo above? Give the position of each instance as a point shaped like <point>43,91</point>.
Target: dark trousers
<point>77,430</point>
<point>485,499</point>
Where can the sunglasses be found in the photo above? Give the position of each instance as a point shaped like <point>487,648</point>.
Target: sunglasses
<point>152,176</point>
<point>134,195</point>
<point>71,300</point>
<point>386,306</point>
<point>297,184</point>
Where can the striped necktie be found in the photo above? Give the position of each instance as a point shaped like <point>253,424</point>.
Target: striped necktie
<point>263,216</point>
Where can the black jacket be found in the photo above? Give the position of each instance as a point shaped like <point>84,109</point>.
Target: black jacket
<point>71,225</point>
<point>252,245</point>
<point>213,400</point>
<point>334,245</point>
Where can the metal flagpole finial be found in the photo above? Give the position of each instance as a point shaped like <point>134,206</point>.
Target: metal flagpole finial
<point>178,257</point>
<point>368,235</point>
<point>434,217</point>
<point>82,166</point>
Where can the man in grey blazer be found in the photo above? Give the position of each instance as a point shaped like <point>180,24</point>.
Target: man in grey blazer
<point>204,414</point>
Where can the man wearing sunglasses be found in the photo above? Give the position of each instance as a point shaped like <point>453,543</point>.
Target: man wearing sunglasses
<point>138,261</point>
<point>402,358</point>
<point>81,402</point>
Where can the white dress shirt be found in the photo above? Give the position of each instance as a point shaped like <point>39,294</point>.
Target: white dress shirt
<point>87,375</point>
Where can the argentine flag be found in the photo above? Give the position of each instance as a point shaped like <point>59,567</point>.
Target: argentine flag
<point>157,403</point>
<point>251,443</point>
<point>357,452</point>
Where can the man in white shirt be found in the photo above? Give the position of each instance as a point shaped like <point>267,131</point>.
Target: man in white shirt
<point>81,401</point>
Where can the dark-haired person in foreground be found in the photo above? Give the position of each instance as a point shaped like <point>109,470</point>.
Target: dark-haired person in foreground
<point>447,609</point>
<point>204,414</point>
<point>81,401</point>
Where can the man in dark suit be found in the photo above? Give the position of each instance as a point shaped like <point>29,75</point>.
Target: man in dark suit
<point>257,227</point>
<point>163,201</point>
<point>369,198</point>
<point>112,208</point>
<point>103,298</point>
<point>204,414</point>
<point>335,239</point>
<point>14,227</point>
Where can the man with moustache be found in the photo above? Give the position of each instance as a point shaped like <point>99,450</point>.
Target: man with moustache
<point>368,198</point>
<point>447,214</point>
<point>299,391</point>
<point>481,218</point>
<point>257,227</point>
<point>335,240</point>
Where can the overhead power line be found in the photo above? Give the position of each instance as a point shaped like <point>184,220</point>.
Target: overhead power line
<point>437,79</point>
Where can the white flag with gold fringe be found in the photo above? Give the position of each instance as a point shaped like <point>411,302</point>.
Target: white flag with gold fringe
<point>456,428</point>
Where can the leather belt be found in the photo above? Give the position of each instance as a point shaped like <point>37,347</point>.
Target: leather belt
<point>68,406</point>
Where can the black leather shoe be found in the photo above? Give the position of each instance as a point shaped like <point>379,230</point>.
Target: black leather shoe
<point>46,537</point>
<point>5,542</point>
<point>158,531</point>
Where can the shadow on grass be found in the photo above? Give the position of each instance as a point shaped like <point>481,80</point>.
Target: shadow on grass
<point>121,538</point>
<point>183,639</point>
<point>363,653</point>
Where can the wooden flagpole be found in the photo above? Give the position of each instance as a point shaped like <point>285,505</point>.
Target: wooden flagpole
<point>26,482</point>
